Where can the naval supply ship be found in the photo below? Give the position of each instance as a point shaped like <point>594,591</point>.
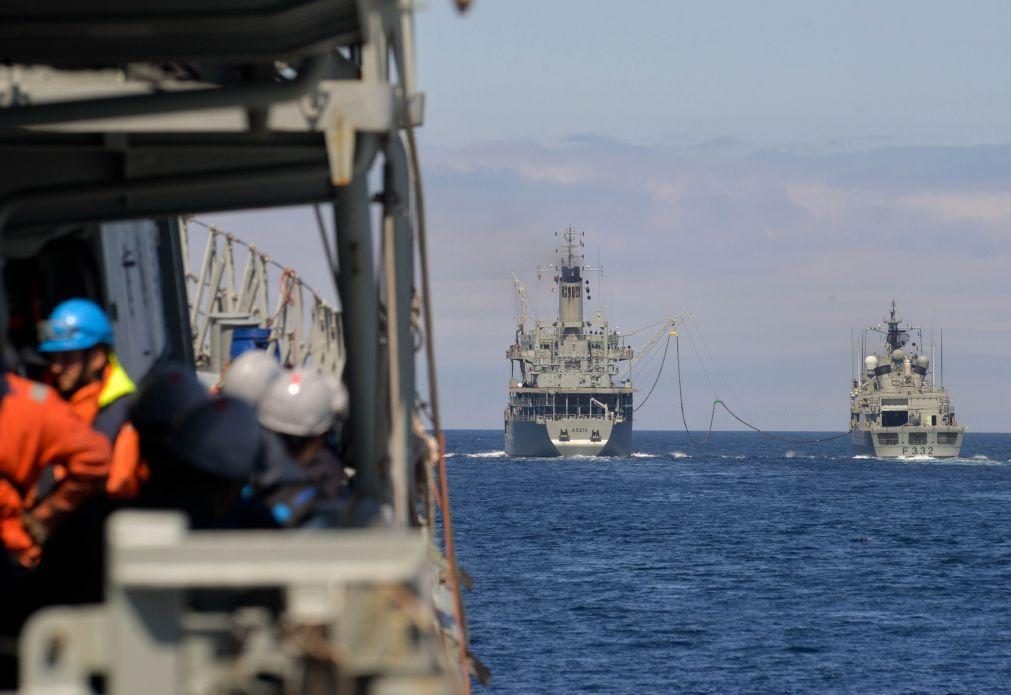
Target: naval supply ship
<point>896,407</point>
<point>567,398</point>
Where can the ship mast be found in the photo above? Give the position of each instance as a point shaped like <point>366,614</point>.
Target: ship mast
<point>570,284</point>
<point>894,340</point>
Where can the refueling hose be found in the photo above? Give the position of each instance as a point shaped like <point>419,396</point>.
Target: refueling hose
<point>719,402</point>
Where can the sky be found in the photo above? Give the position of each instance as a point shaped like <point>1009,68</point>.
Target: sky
<point>781,170</point>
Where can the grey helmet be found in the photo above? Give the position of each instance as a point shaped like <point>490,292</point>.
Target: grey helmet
<point>301,403</point>
<point>340,396</point>
<point>250,376</point>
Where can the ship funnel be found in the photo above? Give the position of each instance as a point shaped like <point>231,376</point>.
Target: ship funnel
<point>570,298</point>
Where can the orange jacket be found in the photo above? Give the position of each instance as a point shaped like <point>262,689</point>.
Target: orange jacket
<point>38,429</point>
<point>127,471</point>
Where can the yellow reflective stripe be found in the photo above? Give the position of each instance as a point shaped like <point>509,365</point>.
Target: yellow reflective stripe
<point>118,384</point>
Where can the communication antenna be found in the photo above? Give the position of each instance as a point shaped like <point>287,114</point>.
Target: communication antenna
<point>853,357</point>
<point>933,364</point>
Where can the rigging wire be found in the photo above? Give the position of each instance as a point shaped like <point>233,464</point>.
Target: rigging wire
<point>453,573</point>
<point>723,380</point>
<point>663,361</point>
<point>640,330</point>
<point>719,402</point>
<point>644,362</point>
<point>702,364</point>
<point>681,399</point>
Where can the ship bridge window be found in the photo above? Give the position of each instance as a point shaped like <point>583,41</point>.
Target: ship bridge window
<point>894,418</point>
<point>947,437</point>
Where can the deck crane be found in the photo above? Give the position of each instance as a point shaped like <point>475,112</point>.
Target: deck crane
<point>667,327</point>
<point>521,300</point>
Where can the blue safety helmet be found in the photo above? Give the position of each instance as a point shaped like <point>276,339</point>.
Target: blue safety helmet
<point>76,324</point>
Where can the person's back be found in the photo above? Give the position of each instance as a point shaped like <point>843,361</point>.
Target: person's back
<point>201,464</point>
<point>40,430</point>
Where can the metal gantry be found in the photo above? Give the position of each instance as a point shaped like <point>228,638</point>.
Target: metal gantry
<point>305,329</point>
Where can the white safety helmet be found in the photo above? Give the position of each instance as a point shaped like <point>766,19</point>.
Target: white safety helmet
<point>250,376</point>
<point>340,396</point>
<point>300,403</point>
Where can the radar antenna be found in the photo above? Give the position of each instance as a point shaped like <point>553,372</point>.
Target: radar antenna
<point>896,338</point>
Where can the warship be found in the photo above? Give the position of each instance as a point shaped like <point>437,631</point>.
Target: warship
<point>566,397</point>
<point>897,409</point>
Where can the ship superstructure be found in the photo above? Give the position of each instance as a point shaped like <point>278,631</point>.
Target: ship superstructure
<point>896,407</point>
<point>566,397</point>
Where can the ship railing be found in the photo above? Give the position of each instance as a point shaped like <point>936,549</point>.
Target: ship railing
<point>304,329</point>
<point>337,583</point>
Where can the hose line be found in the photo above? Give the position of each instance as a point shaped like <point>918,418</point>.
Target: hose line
<point>720,403</point>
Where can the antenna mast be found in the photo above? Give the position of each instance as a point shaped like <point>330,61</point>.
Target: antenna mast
<point>521,298</point>
<point>941,354</point>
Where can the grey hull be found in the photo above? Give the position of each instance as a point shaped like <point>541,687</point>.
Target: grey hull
<point>863,443</point>
<point>530,439</point>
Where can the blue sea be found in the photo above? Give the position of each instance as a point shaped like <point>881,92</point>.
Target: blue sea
<point>746,565</point>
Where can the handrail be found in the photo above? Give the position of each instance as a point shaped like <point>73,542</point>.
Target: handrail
<point>217,292</point>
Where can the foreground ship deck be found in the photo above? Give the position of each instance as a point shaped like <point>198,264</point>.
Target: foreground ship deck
<point>118,118</point>
<point>896,410</point>
<point>569,398</point>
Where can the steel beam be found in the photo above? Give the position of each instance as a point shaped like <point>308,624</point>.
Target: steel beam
<point>356,282</point>
<point>399,247</point>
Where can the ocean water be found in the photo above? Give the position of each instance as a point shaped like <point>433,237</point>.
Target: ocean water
<point>746,565</point>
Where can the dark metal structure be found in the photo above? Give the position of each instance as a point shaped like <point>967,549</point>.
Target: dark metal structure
<point>119,110</point>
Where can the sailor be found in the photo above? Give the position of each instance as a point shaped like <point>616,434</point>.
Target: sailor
<point>278,482</point>
<point>300,408</point>
<point>37,429</point>
<point>78,338</point>
<point>211,452</point>
<point>40,430</point>
<point>165,396</point>
<point>250,375</point>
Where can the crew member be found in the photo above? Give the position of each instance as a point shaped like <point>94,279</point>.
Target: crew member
<point>301,407</point>
<point>85,371</point>
<point>40,430</point>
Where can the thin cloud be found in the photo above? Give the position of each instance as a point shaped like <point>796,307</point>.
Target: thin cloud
<point>778,253</point>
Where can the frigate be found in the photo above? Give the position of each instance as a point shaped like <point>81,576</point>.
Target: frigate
<point>568,395</point>
<point>897,409</point>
